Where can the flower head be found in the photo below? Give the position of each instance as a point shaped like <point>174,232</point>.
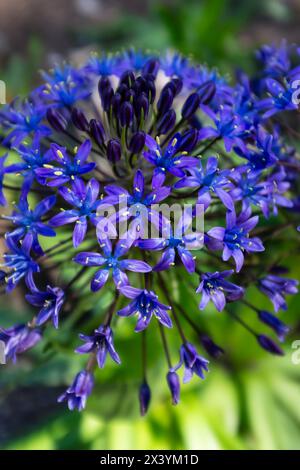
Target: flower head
<point>145,304</point>
<point>18,339</point>
<point>102,343</point>
<point>50,301</point>
<point>77,394</point>
<point>214,287</point>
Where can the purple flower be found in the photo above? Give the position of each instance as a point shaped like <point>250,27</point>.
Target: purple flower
<point>101,342</point>
<point>33,158</point>
<point>210,180</point>
<point>137,205</point>
<point>109,261</point>
<point>2,173</point>
<point>20,263</point>
<point>235,238</point>
<point>145,304</point>
<point>227,127</point>
<point>21,119</point>
<point>84,199</point>
<point>166,160</point>
<point>180,242</point>
<point>280,328</point>
<point>263,156</point>
<point>192,362</point>
<point>174,386</point>
<point>214,287</point>
<point>50,302</point>
<point>77,394</point>
<point>280,100</point>
<point>19,339</point>
<point>276,288</point>
<point>29,222</point>
<point>69,168</point>
<point>64,93</point>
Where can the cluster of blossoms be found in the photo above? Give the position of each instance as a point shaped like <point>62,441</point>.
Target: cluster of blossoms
<point>120,135</point>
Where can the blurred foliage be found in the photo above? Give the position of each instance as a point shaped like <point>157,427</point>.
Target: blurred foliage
<point>248,400</point>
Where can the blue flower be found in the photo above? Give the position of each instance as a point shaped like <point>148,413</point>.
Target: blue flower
<point>102,343</point>
<point>109,261</point>
<point>145,304</point>
<point>166,160</point>
<point>84,199</point>
<point>18,339</point>
<point>211,180</point>
<point>235,237</point>
<point>263,156</point>
<point>181,242</point>
<point>214,287</point>
<point>227,127</point>
<point>64,93</point>
<point>69,168</point>
<point>77,394</point>
<point>19,262</point>
<point>29,222</point>
<point>193,363</point>
<point>33,158</point>
<point>51,302</point>
<point>137,206</point>
<point>276,287</point>
<point>22,121</point>
<point>281,99</point>
<point>2,173</point>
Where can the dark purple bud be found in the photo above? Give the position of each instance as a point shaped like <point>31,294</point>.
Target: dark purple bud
<point>166,122</point>
<point>122,90</point>
<point>175,85</point>
<point>188,141</point>
<point>97,131</point>
<point>137,142</point>
<point>116,103</point>
<point>195,122</point>
<point>103,85</point>
<point>210,347</point>
<point>174,386</point>
<point>140,85</point>
<point>165,101</point>
<point>127,78</point>
<point>150,88</point>
<point>114,151</point>
<point>280,328</point>
<point>144,397</point>
<point>56,120</point>
<point>106,92</point>
<point>151,67</point>
<point>269,345</point>
<point>142,106</point>
<point>106,100</point>
<point>190,106</point>
<point>79,120</point>
<point>126,114</point>
<point>2,276</point>
<point>207,91</point>
<point>129,95</point>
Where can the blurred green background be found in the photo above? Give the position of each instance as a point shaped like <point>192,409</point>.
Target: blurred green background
<point>248,400</point>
